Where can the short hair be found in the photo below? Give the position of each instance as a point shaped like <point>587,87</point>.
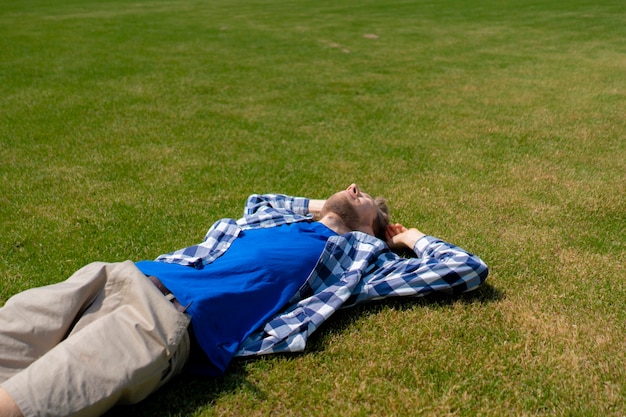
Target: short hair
<point>382,218</point>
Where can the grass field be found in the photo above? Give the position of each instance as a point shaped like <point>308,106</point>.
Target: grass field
<point>128,127</point>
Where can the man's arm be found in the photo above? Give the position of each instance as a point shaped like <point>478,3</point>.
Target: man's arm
<point>438,267</point>
<point>257,202</point>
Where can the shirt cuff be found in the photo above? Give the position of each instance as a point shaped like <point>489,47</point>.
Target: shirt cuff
<point>422,244</point>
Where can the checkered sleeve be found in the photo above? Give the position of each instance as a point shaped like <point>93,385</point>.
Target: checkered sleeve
<point>270,210</point>
<point>438,267</point>
<point>258,202</point>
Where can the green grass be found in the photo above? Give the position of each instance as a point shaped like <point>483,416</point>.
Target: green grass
<point>127,127</point>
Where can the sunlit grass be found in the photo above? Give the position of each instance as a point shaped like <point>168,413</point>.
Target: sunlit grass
<point>126,128</point>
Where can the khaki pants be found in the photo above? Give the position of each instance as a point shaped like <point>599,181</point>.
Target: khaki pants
<point>105,336</point>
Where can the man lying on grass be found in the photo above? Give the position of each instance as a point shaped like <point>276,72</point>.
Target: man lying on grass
<point>114,333</point>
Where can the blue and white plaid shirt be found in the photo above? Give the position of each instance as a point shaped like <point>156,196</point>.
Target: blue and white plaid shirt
<point>354,268</point>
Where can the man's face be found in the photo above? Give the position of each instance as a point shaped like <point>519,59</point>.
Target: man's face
<point>357,209</point>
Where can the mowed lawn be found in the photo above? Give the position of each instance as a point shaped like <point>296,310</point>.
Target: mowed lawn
<point>128,127</point>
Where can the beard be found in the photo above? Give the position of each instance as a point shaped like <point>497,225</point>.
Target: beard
<point>339,204</point>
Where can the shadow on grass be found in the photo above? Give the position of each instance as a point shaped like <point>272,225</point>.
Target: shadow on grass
<point>186,394</point>
<point>345,319</point>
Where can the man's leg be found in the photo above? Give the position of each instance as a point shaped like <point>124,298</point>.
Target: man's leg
<point>36,320</point>
<point>8,408</point>
<point>127,343</point>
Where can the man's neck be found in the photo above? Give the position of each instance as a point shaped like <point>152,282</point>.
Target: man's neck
<point>334,223</point>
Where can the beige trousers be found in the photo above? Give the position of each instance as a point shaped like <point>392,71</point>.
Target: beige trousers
<point>105,336</point>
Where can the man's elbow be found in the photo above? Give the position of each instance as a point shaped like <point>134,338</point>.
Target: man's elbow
<point>483,271</point>
<point>478,274</point>
<point>253,203</point>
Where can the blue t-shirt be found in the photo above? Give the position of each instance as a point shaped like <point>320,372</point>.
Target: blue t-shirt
<point>247,285</point>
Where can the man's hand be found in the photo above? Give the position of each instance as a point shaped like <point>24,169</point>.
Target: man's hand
<point>399,237</point>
